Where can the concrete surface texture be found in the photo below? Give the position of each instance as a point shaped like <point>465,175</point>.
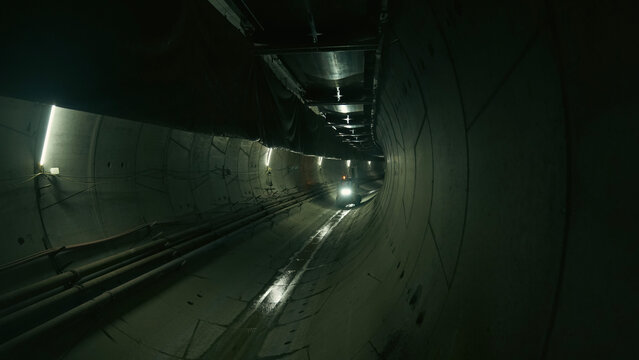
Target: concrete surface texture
<point>116,174</point>
<point>504,227</point>
<point>504,136</point>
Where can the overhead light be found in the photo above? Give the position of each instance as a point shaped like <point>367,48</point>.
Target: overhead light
<point>348,119</point>
<point>348,163</point>
<point>339,95</point>
<point>369,163</point>
<point>268,157</point>
<point>334,128</point>
<point>319,160</point>
<point>344,109</point>
<point>46,136</point>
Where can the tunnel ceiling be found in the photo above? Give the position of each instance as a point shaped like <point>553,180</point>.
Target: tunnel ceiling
<point>327,53</point>
<point>299,75</point>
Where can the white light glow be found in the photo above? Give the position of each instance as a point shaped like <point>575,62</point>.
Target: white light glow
<point>46,136</point>
<point>319,160</point>
<point>348,119</point>
<point>268,157</point>
<point>339,94</point>
<point>348,163</point>
<point>276,294</point>
<point>281,289</point>
<point>343,109</point>
<point>346,192</point>
<point>369,163</point>
<point>334,128</point>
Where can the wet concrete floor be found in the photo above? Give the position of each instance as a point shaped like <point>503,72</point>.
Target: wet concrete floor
<point>254,295</point>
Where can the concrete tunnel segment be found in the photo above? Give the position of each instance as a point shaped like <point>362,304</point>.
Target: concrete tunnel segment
<point>505,227</point>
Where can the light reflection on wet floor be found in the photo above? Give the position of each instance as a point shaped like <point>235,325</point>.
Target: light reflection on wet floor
<point>245,336</point>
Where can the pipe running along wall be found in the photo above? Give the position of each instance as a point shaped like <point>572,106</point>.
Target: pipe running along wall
<point>102,176</point>
<point>504,228</point>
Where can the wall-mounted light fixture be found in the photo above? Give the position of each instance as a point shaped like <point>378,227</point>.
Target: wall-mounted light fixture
<point>348,163</point>
<point>43,157</point>
<point>268,156</point>
<point>319,160</point>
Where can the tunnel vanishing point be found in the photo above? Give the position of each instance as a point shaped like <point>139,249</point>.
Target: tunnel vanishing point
<point>169,173</point>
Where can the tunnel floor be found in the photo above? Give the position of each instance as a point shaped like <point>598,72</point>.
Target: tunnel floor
<point>255,295</point>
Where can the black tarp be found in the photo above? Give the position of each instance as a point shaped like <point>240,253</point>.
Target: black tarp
<point>173,63</point>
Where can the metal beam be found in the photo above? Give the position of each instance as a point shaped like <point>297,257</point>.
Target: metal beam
<point>356,141</point>
<point>340,118</point>
<point>349,126</point>
<point>284,76</point>
<point>354,135</point>
<point>349,123</point>
<point>316,102</point>
<point>277,49</point>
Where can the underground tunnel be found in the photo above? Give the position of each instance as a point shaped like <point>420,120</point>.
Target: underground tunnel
<point>173,177</point>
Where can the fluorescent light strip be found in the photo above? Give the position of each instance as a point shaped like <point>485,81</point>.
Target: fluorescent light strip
<point>268,157</point>
<point>348,163</point>
<point>46,136</point>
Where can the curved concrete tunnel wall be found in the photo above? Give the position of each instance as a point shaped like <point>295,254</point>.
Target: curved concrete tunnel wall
<point>481,244</point>
<point>117,174</point>
<point>474,190</point>
<point>496,240</point>
<point>502,229</point>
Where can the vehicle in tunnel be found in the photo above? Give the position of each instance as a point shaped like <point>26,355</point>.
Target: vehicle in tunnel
<point>347,192</point>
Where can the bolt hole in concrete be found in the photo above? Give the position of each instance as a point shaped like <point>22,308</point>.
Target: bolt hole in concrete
<point>21,240</point>
<point>416,295</point>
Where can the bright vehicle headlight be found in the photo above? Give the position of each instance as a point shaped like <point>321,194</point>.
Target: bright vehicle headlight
<point>345,192</point>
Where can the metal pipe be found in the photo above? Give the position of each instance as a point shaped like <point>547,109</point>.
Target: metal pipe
<point>77,273</point>
<point>73,275</point>
<point>190,249</point>
<point>42,306</point>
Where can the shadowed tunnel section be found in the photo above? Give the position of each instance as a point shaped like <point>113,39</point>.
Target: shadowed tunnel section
<point>504,227</point>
